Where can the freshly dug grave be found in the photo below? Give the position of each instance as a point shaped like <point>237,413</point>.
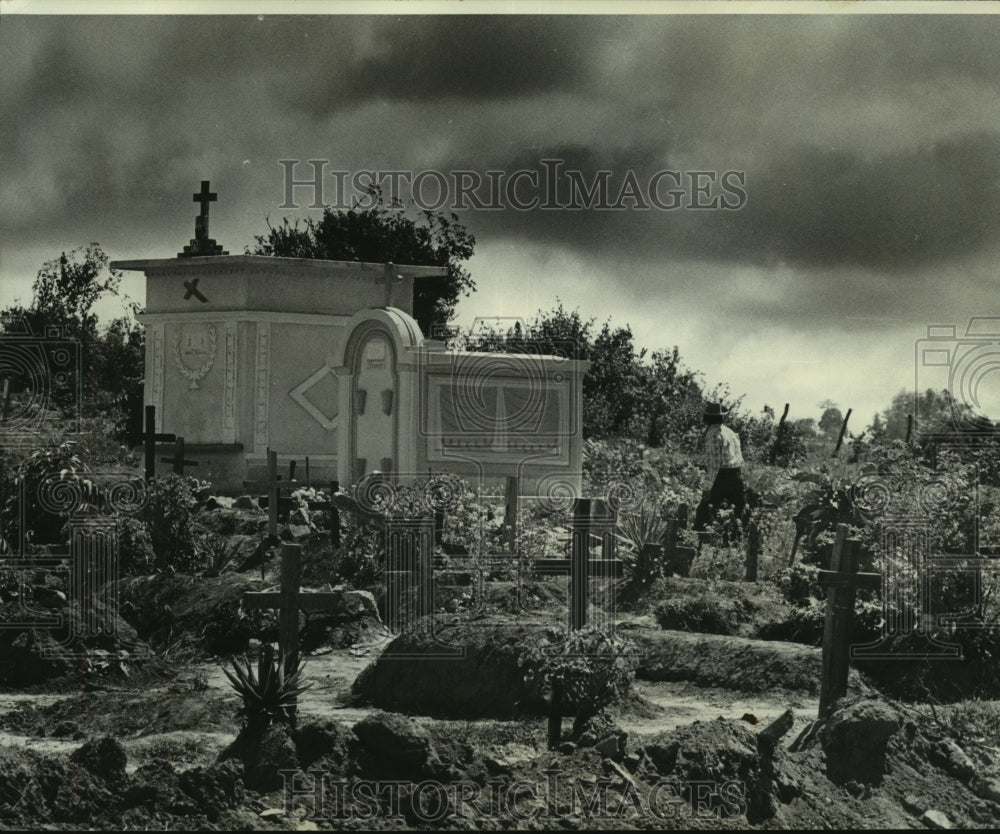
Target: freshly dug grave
<point>736,663</point>
<point>209,613</point>
<point>35,656</point>
<point>417,673</point>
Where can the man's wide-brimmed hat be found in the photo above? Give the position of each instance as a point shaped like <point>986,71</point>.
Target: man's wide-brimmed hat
<point>715,410</point>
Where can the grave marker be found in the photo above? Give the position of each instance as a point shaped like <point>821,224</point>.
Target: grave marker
<point>289,600</point>
<point>842,581</point>
<point>149,440</point>
<point>178,460</point>
<point>273,486</point>
<point>580,567</point>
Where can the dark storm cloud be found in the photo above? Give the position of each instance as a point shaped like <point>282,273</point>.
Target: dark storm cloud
<point>819,208</point>
<point>866,143</point>
<point>428,58</point>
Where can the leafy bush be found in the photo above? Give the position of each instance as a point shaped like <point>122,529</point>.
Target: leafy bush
<point>164,534</point>
<point>42,525</point>
<point>590,668</point>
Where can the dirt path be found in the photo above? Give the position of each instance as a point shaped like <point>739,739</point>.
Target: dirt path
<point>193,717</point>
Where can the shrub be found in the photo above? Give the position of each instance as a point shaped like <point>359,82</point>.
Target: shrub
<point>164,534</point>
<point>589,667</point>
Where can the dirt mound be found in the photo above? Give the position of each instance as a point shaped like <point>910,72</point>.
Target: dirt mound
<point>417,673</point>
<point>90,788</point>
<point>33,656</point>
<point>732,662</point>
<point>208,609</point>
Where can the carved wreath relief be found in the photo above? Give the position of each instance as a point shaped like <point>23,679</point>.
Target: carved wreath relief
<point>194,351</point>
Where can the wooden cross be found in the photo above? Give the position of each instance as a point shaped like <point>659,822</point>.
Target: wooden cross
<point>580,567</point>
<point>677,558</point>
<point>178,459</point>
<point>149,440</point>
<point>289,601</point>
<point>842,581</point>
<point>273,485</point>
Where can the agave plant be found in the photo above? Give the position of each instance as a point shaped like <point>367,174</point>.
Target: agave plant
<point>641,533</point>
<point>642,528</point>
<point>270,695</point>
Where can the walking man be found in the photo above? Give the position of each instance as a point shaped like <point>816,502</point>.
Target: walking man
<point>723,481</point>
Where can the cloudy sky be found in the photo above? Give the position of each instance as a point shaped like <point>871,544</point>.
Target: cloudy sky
<point>866,151</point>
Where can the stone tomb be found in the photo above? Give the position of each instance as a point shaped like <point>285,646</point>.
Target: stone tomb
<point>324,359</point>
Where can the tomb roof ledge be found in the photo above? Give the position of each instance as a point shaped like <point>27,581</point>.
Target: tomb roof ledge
<point>377,269</point>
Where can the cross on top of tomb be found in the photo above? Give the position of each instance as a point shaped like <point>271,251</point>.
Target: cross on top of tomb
<point>201,244</point>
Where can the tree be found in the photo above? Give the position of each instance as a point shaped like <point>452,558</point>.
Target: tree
<point>832,419</point>
<point>64,294</point>
<point>380,234</point>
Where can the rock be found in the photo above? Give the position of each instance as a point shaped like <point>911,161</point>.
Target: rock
<point>219,502</point>
<point>567,747</point>
<point>104,758</point>
<point>300,515</point>
<point>271,813</point>
<point>987,788</point>
<point>299,531</point>
<point>245,502</point>
<point>612,746</point>
<point>49,597</point>
<point>914,804</point>
<point>65,728</point>
<point>936,819</point>
<point>854,739</point>
<point>632,761</point>
<point>587,740</point>
<point>750,718</point>
<point>953,759</point>
<point>395,747</point>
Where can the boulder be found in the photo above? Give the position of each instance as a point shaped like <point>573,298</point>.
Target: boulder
<point>245,502</point>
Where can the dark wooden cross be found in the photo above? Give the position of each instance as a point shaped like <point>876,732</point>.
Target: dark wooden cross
<point>178,459</point>
<point>273,485</point>
<point>289,601</point>
<point>579,566</point>
<point>150,437</point>
<point>841,581</point>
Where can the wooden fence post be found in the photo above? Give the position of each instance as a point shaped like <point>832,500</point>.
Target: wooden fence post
<point>843,430</point>
<point>777,436</point>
